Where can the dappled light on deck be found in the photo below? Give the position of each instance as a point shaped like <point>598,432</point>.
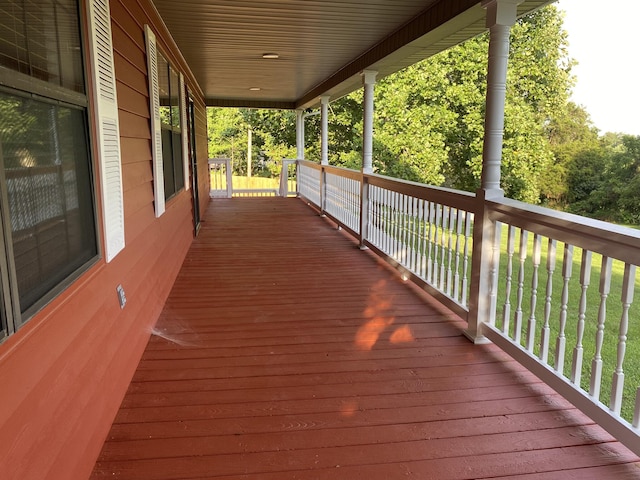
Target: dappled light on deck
<point>380,323</point>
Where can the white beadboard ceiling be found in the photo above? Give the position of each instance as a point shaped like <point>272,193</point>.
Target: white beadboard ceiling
<point>322,45</point>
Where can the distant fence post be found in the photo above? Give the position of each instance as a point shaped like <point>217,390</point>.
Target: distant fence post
<point>220,180</point>
<point>284,177</point>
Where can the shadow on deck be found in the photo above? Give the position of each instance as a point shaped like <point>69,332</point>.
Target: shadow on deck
<point>284,352</point>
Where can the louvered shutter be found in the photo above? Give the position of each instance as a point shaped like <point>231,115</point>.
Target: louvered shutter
<point>156,132</point>
<point>184,131</point>
<point>108,129</point>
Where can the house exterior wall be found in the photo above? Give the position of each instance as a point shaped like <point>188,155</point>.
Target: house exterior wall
<point>63,375</point>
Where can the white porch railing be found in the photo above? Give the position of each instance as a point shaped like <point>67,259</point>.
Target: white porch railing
<point>221,181</point>
<point>221,185</point>
<point>562,333</point>
<point>288,178</point>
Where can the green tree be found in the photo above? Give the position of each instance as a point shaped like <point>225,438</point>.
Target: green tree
<point>429,117</point>
<point>227,133</point>
<point>570,133</point>
<point>624,180</point>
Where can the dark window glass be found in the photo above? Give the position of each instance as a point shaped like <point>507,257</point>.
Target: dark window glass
<point>42,39</point>
<point>170,120</point>
<point>49,188</point>
<point>174,89</point>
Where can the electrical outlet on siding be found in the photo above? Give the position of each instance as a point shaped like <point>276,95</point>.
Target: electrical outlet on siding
<point>121,296</point>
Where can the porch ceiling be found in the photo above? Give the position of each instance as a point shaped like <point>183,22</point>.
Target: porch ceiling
<point>322,45</point>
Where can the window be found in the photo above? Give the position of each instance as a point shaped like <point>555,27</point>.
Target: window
<point>171,127</point>
<point>47,180</point>
<point>47,206</point>
<point>168,125</point>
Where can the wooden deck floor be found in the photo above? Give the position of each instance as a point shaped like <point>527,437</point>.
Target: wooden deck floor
<point>284,352</point>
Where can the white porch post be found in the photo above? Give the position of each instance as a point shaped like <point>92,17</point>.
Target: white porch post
<point>369,80</point>
<point>324,136</point>
<point>501,15</point>
<point>299,134</point>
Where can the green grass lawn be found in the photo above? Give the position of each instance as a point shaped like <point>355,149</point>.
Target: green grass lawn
<point>249,183</point>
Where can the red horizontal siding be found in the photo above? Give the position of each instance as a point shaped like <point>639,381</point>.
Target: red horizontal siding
<point>64,374</point>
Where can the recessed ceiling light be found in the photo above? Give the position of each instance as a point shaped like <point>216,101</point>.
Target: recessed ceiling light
<point>255,89</point>
<point>270,55</point>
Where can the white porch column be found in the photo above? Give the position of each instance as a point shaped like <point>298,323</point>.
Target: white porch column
<point>299,134</point>
<point>368,80</point>
<point>501,15</point>
<point>324,135</point>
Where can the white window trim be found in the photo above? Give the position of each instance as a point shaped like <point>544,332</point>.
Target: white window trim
<point>184,132</point>
<point>156,132</point>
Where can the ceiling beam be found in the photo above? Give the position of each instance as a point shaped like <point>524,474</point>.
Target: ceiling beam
<point>244,103</point>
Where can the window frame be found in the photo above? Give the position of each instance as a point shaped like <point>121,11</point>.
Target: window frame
<point>174,161</point>
<point>23,85</point>
<point>179,156</point>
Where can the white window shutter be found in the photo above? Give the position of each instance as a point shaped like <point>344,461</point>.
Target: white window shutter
<point>156,132</point>
<point>108,129</point>
<point>185,132</point>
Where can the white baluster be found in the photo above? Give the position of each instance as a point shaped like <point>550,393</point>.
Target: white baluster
<point>561,341</point>
<point>392,222</point>
<point>628,285</point>
<point>517,318</point>
<point>379,216</point>
<point>450,253</point>
<point>405,231</point>
<point>506,309</point>
<point>422,240</point>
<point>596,363</point>
<point>468,220</point>
<point>459,240</point>
<point>578,350</point>
<point>443,243</point>
<point>493,273</point>
<point>397,230</point>
<point>388,231</point>
<point>430,236</point>
<point>636,411</point>
<point>415,236</point>
<point>531,324</point>
<point>546,330</point>
<point>382,218</point>
<point>436,243</point>
<point>373,216</point>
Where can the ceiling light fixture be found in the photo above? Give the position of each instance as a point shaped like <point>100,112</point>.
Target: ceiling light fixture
<point>255,89</point>
<point>270,55</point>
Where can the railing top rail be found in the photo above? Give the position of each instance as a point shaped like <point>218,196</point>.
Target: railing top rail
<point>445,196</point>
<point>310,164</point>
<point>344,172</point>
<point>214,161</point>
<point>608,239</point>
<point>340,171</point>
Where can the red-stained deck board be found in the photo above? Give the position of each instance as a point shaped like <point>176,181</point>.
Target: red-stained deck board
<point>285,352</point>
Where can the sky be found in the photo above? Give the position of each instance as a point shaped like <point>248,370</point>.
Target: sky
<point>604,38</point>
